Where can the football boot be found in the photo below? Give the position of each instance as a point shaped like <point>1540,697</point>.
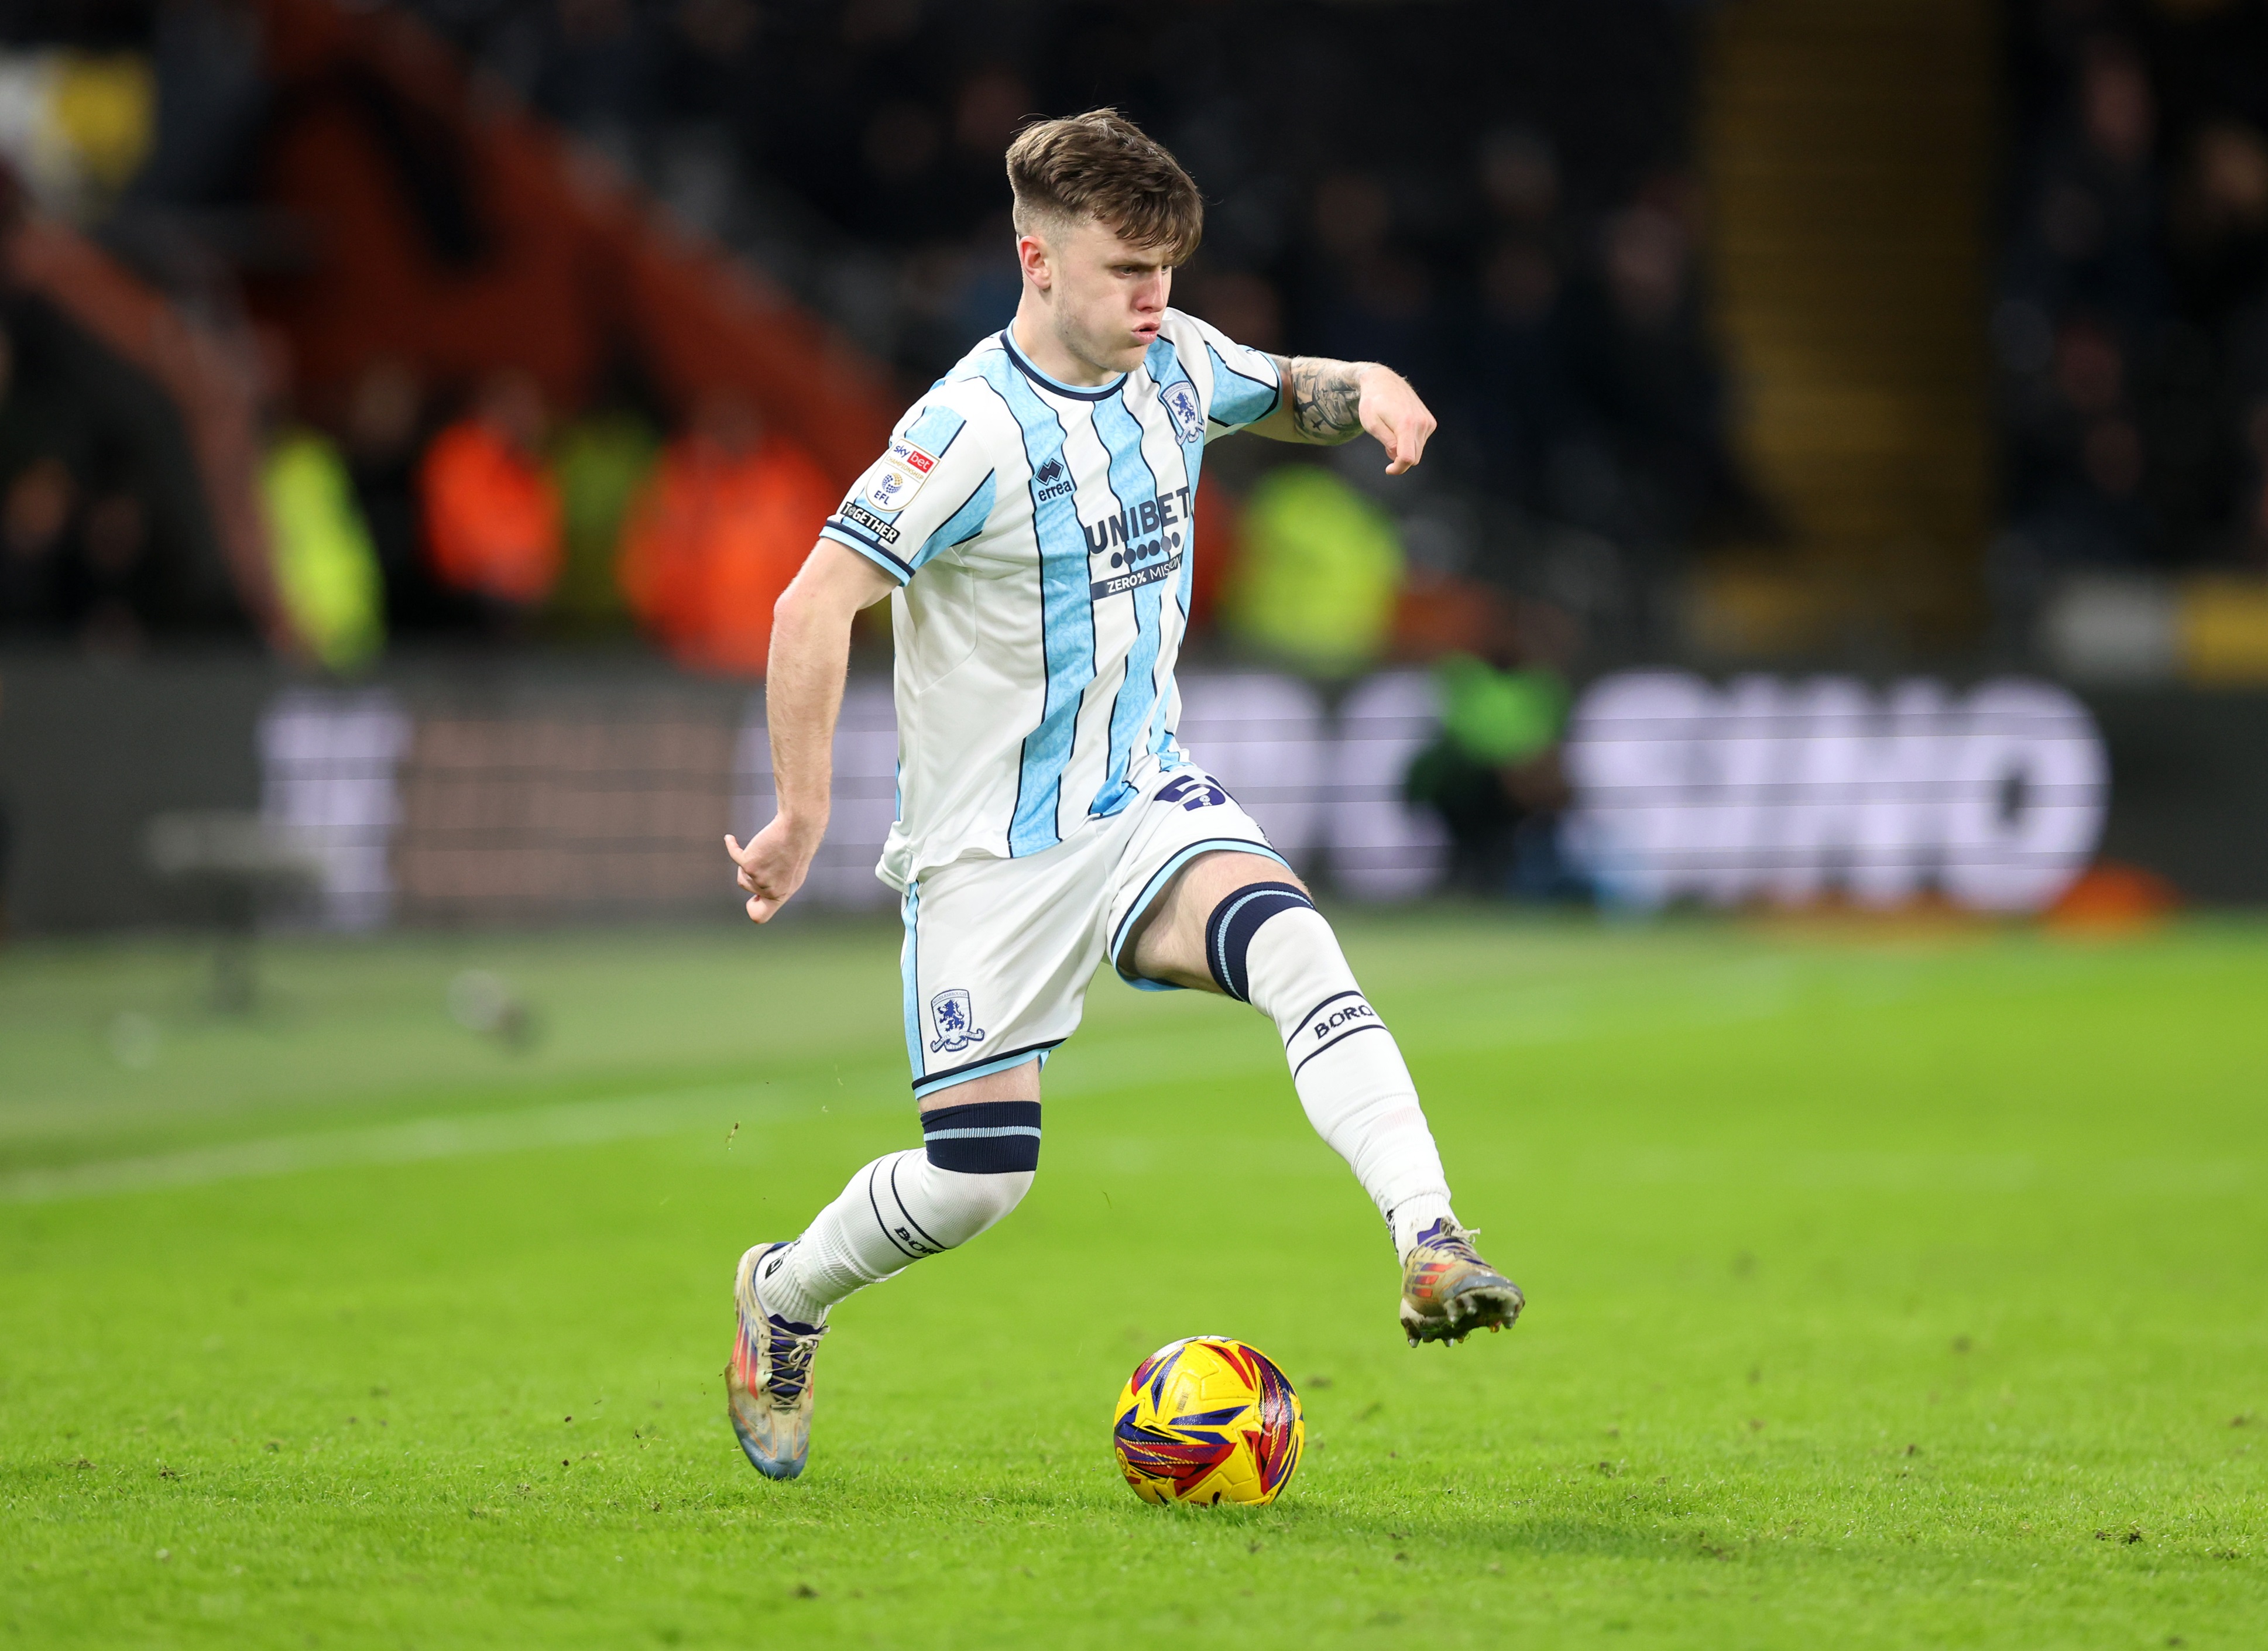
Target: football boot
<point>767,1384</point>
<point>1448,1292</point>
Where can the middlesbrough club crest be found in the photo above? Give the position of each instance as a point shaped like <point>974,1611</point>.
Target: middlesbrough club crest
<point>956,1025</point>
<point>1182,407</point>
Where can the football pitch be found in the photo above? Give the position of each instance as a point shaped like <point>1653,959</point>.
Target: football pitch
<point>1887,1288</point>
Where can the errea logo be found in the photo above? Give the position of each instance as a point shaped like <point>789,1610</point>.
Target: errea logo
<point>1050,481</point>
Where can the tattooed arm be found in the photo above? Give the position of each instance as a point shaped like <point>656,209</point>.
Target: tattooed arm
<point>1326,402</point>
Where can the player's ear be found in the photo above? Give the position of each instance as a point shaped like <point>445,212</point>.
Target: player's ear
<point>1032,252</point>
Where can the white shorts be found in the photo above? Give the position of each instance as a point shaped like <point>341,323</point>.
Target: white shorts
<point>998,952</point>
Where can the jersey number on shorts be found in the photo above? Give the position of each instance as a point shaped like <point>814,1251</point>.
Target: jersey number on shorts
<point>1192,793</point>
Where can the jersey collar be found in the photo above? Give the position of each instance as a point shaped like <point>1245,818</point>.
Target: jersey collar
<point>1054,386</point>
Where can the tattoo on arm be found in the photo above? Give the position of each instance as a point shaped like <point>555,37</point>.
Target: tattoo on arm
<point>1325,398</point>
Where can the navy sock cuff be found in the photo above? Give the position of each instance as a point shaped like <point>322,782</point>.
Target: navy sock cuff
<point>1234,921</point>
<point>985,1138</point>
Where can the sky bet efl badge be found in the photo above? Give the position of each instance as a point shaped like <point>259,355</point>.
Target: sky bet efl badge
<point>898,476</point>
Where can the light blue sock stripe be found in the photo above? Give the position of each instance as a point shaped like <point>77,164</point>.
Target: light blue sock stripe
<point>980,1135</point>
<point>1220,961</point>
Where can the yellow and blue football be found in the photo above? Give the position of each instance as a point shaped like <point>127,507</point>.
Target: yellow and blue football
<point>1208,1421</point>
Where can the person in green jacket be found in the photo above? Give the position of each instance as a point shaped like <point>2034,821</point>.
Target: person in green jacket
<point>1314,583</point>
<point>327,571</point>
<point>1493,774</point>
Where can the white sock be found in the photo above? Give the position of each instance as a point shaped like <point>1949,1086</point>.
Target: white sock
<point>977,1164</point>
<point>1279,953</point>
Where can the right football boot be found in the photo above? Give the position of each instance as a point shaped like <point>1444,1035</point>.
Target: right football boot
<point>767,1384</point>
<point>1448,1292</point>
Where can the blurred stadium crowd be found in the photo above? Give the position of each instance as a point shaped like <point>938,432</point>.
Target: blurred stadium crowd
<point>464,432</point>
<point>2131,323</point>
<point>1525,250</point>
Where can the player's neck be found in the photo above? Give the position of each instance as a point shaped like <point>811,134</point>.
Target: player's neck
<point>1037,337</point>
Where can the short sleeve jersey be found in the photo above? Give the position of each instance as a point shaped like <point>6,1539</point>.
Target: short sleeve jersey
<point>1041,534</point>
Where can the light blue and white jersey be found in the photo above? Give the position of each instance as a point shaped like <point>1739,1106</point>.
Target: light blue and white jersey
<point>1042,536</point>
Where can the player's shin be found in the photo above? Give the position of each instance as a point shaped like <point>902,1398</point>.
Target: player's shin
<point>974,1166</point>
<point>1268,945</point>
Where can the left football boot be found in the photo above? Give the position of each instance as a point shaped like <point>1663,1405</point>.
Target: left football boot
<point>767,1384</point>
<point>1448,1291</point>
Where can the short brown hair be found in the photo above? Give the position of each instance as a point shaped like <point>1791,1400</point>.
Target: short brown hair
<point>1100,165</point>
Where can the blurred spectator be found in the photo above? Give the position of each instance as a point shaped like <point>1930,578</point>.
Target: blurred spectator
<point>35,517</point>
<point>492,515</point>
<point>1242,304</point>
<point>1493,775</point>
<point>1515,402</point>
<point>1511,407</point>
<point>37,497</point>
<point>2220,226</point>
<point>1520,180</point>
<point>109,539</point>
<point>1648,396</point>
<point>721,528</point>
<point>326,570</point>
<point>1374,298</point>
<point>1315,580</point>
<point>596,67</point>
<point>601,461</point>
<point>2131,331</point>
<point>383,411</point>
<point>113,573</point>
<point>211,100</point>
<point>2091,231</point>
<point>76,124</point>
<point>706,55</point>
<point>1219,533</point>
<point>2077,452</point>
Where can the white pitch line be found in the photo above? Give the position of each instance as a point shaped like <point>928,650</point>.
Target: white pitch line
<point>571,1123</point>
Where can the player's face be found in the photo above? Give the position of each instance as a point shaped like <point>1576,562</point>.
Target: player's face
<point>1106,297</point>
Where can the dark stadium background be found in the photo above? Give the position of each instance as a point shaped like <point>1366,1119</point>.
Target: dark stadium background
<point>1919,341</point>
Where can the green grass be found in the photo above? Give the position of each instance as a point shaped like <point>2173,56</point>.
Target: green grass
<point>1885,1292</point>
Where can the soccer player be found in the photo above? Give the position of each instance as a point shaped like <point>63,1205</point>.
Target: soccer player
<point>1031,524</point>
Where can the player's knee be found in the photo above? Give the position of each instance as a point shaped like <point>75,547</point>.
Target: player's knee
<point>1268,946</point>
<point>991,1150</point>
<point>1237,922</point>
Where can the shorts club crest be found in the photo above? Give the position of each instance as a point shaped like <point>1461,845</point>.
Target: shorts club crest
<point>956,1028</point>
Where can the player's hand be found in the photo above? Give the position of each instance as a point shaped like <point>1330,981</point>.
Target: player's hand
<point>1392,412</point>
<point>773,864</point>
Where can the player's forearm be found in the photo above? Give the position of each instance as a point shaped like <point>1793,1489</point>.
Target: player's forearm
<point>803,696</point>
<point>1323,399</point>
